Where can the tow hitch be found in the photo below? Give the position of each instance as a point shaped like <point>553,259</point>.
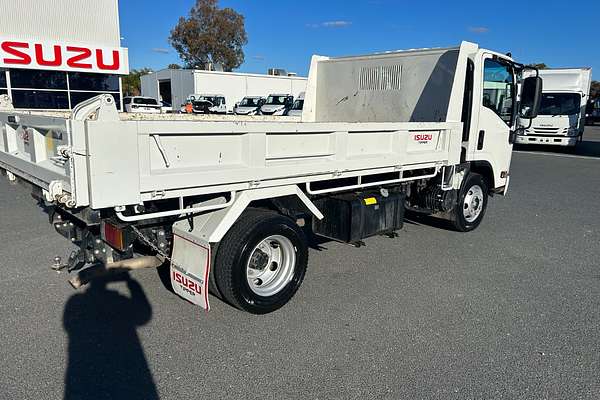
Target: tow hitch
<point>100,254</point>
<point>85,276</point>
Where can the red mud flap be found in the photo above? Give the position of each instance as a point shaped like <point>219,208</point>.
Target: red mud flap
<point>190,267</point>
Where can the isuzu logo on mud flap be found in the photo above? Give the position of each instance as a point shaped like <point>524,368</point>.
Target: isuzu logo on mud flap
<point>424,138</point>
<point>15,53</point>
<point>188,285</point>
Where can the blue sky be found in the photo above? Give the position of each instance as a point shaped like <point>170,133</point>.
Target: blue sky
<point>284,34</point>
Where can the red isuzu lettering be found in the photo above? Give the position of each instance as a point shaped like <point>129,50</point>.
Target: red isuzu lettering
<point>61,57</point>
<point>423,138</point>
<point>186,283</point>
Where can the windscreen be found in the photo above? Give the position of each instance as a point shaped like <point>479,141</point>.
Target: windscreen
<point>298,105</point>
<point>216,101</point>
<point>249,102</point>
<point>276,100</point>
<point>560,104</point>
<point>145,101</point>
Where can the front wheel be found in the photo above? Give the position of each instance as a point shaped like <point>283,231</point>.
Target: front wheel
<point>261,262</point>
<point>472,204</point>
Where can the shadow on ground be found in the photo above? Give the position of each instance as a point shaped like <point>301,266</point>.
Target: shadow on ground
<point>106,359</point>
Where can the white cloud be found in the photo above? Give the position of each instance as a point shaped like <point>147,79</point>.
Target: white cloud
<point>479,29</point>
<point>331,24</point>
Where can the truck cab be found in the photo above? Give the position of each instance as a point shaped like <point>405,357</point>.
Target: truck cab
<point>277,104</point>
<point>562,116</point>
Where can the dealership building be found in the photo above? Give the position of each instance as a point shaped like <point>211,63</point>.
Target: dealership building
<point>56,54</point>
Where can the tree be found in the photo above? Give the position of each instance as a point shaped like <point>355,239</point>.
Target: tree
<point>595,90</point>
<point>132,84</point>
<point>174,66</point>
<point>210,35</point>
<point>538,66</point>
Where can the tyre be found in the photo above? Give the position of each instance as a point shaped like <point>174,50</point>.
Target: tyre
<point>472,203</point>
<point>261,262</point>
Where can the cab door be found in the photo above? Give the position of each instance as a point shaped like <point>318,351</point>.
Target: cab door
<point>495,99</point>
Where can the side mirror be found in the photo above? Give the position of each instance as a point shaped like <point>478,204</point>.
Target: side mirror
<point>531,97</point>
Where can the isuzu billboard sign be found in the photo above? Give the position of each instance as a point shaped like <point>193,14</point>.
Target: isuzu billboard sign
<point>62,56</point>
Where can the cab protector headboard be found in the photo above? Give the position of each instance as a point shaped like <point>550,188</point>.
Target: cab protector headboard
<point>405,86</point>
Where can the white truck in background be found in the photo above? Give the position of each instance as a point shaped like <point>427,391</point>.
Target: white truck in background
<point>297,107</point>
<point>228,207</point>
<point>561,120</point>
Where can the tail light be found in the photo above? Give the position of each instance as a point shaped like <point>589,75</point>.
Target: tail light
<point>117,237</point>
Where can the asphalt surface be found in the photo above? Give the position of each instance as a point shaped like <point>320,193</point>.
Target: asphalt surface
<point>511,311</point>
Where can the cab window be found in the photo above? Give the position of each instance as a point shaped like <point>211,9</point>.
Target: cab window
<point>499,90</point>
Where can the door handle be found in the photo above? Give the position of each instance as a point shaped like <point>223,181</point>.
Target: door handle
<point>480,140</point>
<point>512,137</point>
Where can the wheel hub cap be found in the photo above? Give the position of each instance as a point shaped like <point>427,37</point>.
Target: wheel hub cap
<point>271,265</point>
<point>473,203</point>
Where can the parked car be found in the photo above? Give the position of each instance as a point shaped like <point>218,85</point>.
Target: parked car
<point>249,105</point>
<point>139,104</point>
<point>166,108</point>
<point>297,107</point>
<point>206,104</point>
<point>277,104</point>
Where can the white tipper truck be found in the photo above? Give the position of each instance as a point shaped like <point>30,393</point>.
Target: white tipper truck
<point>228,206</point>
<point>561,120</point>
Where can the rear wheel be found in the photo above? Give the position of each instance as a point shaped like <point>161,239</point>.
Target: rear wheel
<point>472,203</point>
<point>261,262</point>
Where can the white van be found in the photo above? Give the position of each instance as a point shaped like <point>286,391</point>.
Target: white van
<point>208,103</point>
<point>277,104</point>
<point>143,105</point>
<point>561,120</point>
<point>249,105</point>
<point>296,110</point>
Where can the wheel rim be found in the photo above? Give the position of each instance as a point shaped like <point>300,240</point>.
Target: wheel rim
<point>473,203</point>
<point>271,265</point>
